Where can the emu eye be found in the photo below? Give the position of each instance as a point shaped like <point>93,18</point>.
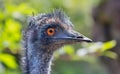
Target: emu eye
<point>51,31</point>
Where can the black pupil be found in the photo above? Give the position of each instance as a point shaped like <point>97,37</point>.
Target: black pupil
<point>51,31</point>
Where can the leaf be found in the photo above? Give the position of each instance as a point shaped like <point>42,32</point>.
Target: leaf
<point>12,26</point>
<point>8,60</point>
<point>10,35</point>
<point>69,49</point>
<point>108,45</point>
<point>110,54</point>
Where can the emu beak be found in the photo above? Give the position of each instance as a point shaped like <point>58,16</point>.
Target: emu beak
<point>79,37</point>
<point>73,36</point>
<point>84,39</point>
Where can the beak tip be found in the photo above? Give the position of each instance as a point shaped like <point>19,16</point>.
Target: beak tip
<point>87,40</point>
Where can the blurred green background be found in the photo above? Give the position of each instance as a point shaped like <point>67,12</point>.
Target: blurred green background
<point>71,59</point>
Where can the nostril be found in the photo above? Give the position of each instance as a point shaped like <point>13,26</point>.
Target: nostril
<point>79,37</point>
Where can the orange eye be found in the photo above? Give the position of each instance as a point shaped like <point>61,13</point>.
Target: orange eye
<point>50,31</point>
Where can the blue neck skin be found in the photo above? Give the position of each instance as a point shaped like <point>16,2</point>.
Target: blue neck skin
<point>38,59</point>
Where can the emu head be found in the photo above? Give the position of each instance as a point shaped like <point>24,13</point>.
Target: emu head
<point>52,31</point>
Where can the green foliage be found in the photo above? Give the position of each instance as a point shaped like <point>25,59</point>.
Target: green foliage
<point>110,54</point>
<point>98,49</point>
<point>8,60</point>
<point>10,35</point>
<point>69,50</point>
<point>108,45</point>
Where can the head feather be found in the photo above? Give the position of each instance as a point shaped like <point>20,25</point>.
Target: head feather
<point>57,16</point>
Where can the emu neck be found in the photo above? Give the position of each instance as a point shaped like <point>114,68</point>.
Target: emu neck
<point>38,60</point>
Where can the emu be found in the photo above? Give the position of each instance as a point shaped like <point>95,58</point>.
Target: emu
<point>44,34</point>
